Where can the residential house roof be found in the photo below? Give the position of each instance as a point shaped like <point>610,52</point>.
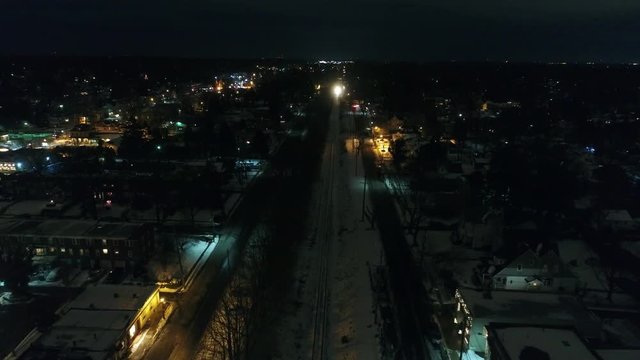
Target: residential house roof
<point>531,308</point>
<point>531,264</point>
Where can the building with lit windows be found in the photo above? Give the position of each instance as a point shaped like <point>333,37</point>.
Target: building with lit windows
<point>87,244</point>
<point>475,310</point>
<point>536,272</point>
<point>101,323</point>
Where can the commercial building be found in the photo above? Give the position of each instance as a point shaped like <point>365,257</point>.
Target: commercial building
<point>101,323</point>
<point>82,243</point>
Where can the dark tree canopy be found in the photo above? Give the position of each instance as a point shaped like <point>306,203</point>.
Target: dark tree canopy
<point>15,268</point>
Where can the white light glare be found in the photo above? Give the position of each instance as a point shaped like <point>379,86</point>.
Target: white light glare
<point>338,90</point>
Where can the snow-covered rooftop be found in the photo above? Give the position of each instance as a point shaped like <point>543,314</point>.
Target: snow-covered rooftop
<point>112,297</point>
<point>619,354</point>
<point>95,344</point>
<point>111,320</point>
<point>69,228</point>
<point>617,215</point>
<point>531,308</point>
<point>27,207</point>
<point>558,343</point>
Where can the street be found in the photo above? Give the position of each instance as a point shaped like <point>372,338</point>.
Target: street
<point>182,333</point>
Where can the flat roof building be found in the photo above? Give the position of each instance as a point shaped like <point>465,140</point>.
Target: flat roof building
<point>101,323</point>
<point>516,341</point>
<point>475,310</point>
<point>80,242</point>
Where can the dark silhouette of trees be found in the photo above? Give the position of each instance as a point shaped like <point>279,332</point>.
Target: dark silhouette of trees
<point>133,144</point>
<point>613,187</point>
<point>399,152</point>
<point>231,332</point>
<point>535,177</point>
<point>260,144</point>
<point>15,268</point>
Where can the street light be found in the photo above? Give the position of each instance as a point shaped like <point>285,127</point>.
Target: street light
<point>338,90</point>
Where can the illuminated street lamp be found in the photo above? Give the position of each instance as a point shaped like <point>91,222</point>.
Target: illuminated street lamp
<point>338,90</point>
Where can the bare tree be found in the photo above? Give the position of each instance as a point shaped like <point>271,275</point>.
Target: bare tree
<point>229,334</point>
<point>15,267</point>
<point>416,201</point>
<point>225,336</point>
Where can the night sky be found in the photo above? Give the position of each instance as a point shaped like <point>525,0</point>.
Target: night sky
<point>423,30</point>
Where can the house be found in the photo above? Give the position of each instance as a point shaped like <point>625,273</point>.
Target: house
<point>475,310</point>
<point>517,341</point>
<point>618,219</point>
<point>531,271</point>
<point>101,323</point>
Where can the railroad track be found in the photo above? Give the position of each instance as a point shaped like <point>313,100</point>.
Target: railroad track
<point>324,237</point>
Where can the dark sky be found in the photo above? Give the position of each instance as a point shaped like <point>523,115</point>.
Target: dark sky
<point>423,30</point>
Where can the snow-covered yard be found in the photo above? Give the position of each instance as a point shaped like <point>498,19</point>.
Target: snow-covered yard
<point>168,269</point>
<point>584,263</point>
<point>75,278</point>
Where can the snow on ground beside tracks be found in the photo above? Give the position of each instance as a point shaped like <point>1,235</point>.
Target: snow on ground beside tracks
<point>353,331</point>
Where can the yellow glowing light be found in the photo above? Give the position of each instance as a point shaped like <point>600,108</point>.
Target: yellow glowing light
<point>338,90</point>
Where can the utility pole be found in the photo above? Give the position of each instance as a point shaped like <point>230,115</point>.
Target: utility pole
<point>364,194</point>
<point>357,151</point>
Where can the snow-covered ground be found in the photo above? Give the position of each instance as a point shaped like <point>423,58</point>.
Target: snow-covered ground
<point>167,270</point>
<point>622,330</point>
<point>27,207</point>
<point>351,332</point>
<point>584,263</point>
<point>75,278</point>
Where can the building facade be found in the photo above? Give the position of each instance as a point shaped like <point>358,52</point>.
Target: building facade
<point>101,323</point>
<point>532,272</point>
<point>87,244</point>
